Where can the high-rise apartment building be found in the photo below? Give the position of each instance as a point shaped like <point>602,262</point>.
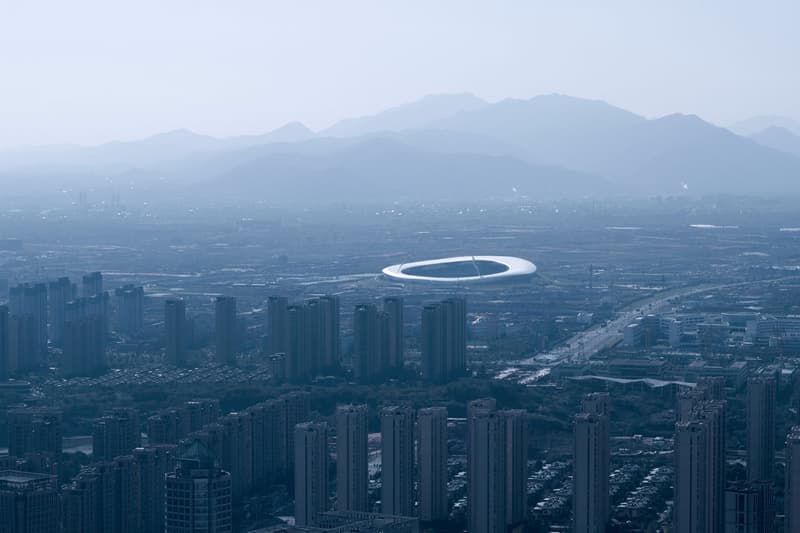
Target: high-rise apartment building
<point>79,506</point>
<point>59,293</point>
<point>34,430</point>
<point>175,324</point>
<point>598,403</point>
<point>515,423</point>
<point>168,426</point>
<point>124,495</point>
<point>366,343</point>
<point>432,453</point>
<point>22,354</point>
<point>378,339</point>
<point>713,387</point>
<point>152,465</point>
<point>201,412</point>
<point>455,312</point>
<point>590,492</point>
<point>705,405</point>
<point>352,476</point>
<point>130,309</point>
<point>791,495</point>
<point>296,408</point>
<point>310,472</point>
<point>761,428</point>
<point>497,463</point>
<point>444,341</point>
<point>226,329</point>
<point>397,461</point>
<point>269,441</point>
<point>85,335</point>
<point>236,452</point>
<point>307,333</point>
<point>329,332</point>
<point>486,468</point>
<point>258,443</point>
<point>297,358</point>
<point>5,362</point>
<point>124,491</point>
<point>83,345</point>
<point>750,507</point>
<point>591,506</point>
<point>257,423</point>
<point>394,332</point>
<point>98,305</point>
<point>312,332</point>
<point>27,300</point>
<point>700,469</point>
<point>277,324</point>
<point>115,434</point>
<point>434,366</point>
<point>92,284</point>
<point>712,413</point>
<point>691,457</point>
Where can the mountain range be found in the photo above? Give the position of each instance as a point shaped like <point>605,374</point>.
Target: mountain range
<point>754,125</point>
<point>779,138</point>
<point>442,147</point>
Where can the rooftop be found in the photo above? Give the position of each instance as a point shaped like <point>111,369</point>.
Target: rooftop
<point>16,479</point>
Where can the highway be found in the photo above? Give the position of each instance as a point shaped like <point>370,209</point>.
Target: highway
<point>586,344</point>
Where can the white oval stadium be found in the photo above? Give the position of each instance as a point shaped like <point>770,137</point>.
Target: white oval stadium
<point>465,269</point>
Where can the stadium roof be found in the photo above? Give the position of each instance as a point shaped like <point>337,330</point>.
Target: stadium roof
<point>463,269</point>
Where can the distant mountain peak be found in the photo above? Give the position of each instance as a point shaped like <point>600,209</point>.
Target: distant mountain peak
<point>759,123</point>
<point>288,133</point>
<point>686,117</point>
<point>294,127</point>
<point>778,138</point>
<point>775,131</point>
<point>174,141</point>
<point>683,118</point>
<point>407,116</point>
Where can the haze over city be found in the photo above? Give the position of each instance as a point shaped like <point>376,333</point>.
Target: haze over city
<point>316,267</point>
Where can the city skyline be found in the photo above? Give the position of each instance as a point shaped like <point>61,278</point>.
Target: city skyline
<point>418,267</point>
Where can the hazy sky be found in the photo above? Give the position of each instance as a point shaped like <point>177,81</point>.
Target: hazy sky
<point>88,71</point>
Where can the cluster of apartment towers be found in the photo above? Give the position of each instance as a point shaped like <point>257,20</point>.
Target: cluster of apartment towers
<point>192,448</point>
<point>302,340</point>
<point>200,464</point>
<point>704,500</point>
<point>54,312</point>
<point>414,454</point>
